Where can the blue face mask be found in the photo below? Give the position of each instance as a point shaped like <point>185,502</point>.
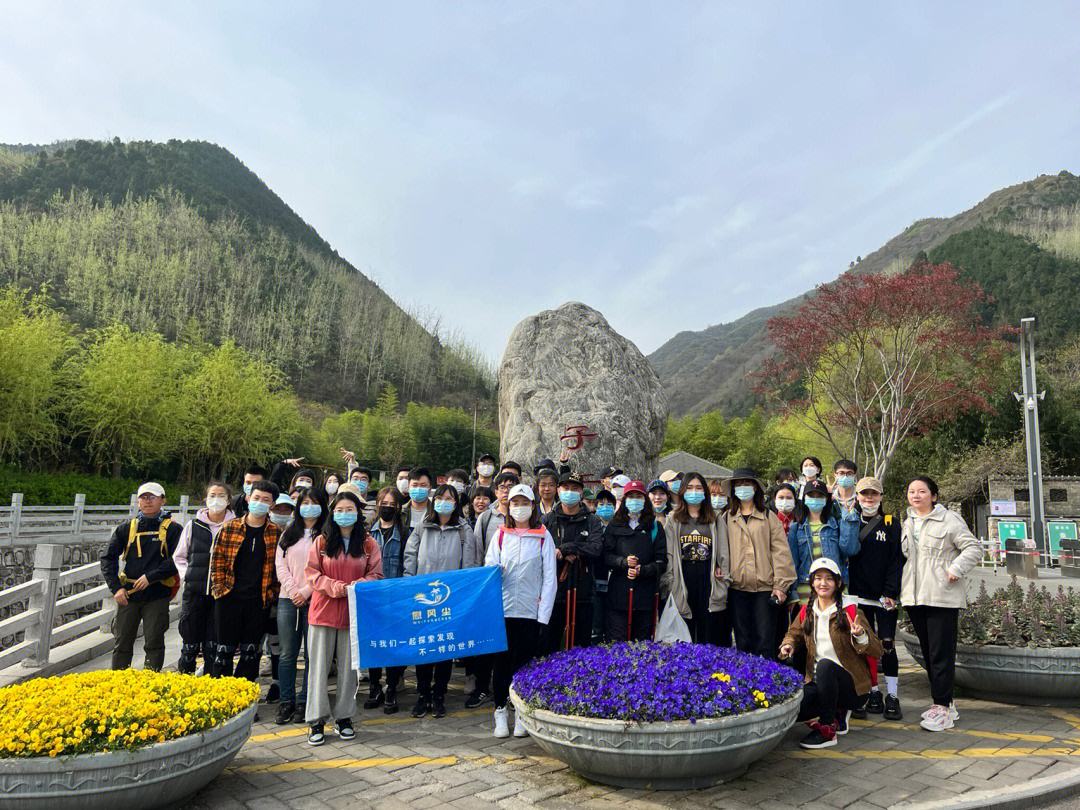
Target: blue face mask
<point>694,498</point>
<point>310,510</point>
<point>345,518</point>
<point>444,507</point>
<point>418,494</point>
<point>361,485</point>
<point>634,505</point>
<point>281,521</point>
<point>744,493</point>
<point>605,511</point>
<point>719,501</point>
<point>247,488</point>
<point>569,497</point>
<point>660,509</point>
<point>814,504</point>
<point>258,508</point>
<point>675,486</point>
<point>845,481</point>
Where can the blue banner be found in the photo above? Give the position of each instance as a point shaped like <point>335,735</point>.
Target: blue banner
<point>424,619</point>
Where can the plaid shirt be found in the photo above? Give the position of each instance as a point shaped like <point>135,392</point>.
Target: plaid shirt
<point>223,560</point>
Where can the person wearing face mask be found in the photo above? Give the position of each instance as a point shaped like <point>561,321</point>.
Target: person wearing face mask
<point>843,488</point>
<point>281,513</point>
<point>817,533</point>
<point>290,563</point>
<point>244,584</point>
<point>717,497</point>
<point>525,551</point>
<point>443,542</point>
<point>390,531</point>
<point>252,474</point>
<point>659,496</point>
<point>487,524</point>
<point>697,575</point>
<point>811,469</point>
<point>360,480</point>
<point>330,486</point>
<point>635,551</point>
<point>578,545</point>
<point>875,576</point>
<point>674,482</point>
<point>547,484</point>
<point>485,473</point>
<point>419,493</point>
<point>786,505</point>
<point>401,479</point>
<point>604,511</point>
<point>618,486</point>
<point>459,480</point>
<point>342,555</point>
<point>762,570</point>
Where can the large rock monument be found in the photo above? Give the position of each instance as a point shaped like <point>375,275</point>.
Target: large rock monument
<point>567,378</point>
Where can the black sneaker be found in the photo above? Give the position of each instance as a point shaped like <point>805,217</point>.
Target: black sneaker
<point>438,708</point>
<point>391,706</point>
<point>345,730</point>
<point>892,708</point>
<point>477,698</point>
<point>875,704</point>
<point>285,713</point>
<point>820,736</point>
<point>421,708</point>
<point>375,697</point>
<point>316,735</point>
<point>298,715</point>
<point>842,722</point>
<point>859,713</point>
<point>273,694</point>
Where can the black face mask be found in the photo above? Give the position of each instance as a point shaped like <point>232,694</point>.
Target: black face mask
<point>387,513</point>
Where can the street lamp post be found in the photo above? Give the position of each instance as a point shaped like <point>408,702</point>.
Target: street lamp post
<point>1029,398</point>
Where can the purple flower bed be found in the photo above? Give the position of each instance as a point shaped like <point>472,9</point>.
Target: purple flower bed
<point>647,682</point>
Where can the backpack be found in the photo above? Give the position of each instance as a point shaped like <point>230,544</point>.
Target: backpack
<point>851,611</point>
<point>135,536</point>
<point>540,532</point>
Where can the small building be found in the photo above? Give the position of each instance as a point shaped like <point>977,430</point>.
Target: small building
<point>684,462</point>
<point>1008,513</point>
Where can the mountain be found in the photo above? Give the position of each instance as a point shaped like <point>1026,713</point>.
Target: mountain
<point>707,370</point>
<point>182,238</point>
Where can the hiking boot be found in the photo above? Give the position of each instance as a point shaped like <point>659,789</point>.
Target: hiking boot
<point>273,694</point>
<point>421,708</point>
<point>285,713</point>
<point>502,728</point>
<point>820,736</point>
<point>875,704</point>
<point>316,735</point>
<point>892,708</point>
<point>477,699</point>
<point>391,706</point>
<point>438,708</point>
<point>345,729</point>
<point>376,698</point>
<point>938,718</point>
<point>841,725</point>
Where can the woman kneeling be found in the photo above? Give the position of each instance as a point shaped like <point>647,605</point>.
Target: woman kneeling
<point>838,645</point>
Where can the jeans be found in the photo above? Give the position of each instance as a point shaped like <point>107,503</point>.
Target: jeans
<point>292,630</point>
<point>883,623</point>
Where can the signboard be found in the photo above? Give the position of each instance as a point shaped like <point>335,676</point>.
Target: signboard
<point>1058,530</point>
<point>1002,507</point>
<point>425,619</point>
<point>1011,530</point>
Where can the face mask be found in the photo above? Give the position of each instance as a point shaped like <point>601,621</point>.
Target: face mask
<point>388,513</point>
<point>247,488</point>
<point>345,518</point>
<point>444,507</point>
<point>331,488</point>
<point>785,505</point>
<point>486,470</point>
<point>310,510</point>
<point>845,481</point>
<point>361,485</point>
<point>304,482</point>
<point>634,505</point>
<point>814,504</point>
<point>280,520</point>
<point>809,470</point>
<point>403,486</point>
<point>660,509</point>
<point>216,504</point>
<point>258,508</point>
<point>719,501</point>
<point>675,486</point>
<point>569,497</point>
<point>694,498</point>
<point>869,511</point>
<point>521,514</point>
<point>617,491</point>
<point>460,487</point>
<point>744,493</point>
<point>418,494</point>
<point>605,511</point>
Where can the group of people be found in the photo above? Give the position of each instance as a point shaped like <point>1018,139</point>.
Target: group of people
<point>803,570</point>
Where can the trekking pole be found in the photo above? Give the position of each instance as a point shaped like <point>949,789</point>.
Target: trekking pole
<point>630,614</point>
<point>572,623</point>
<point>655,613</point>
<point>566,644</point>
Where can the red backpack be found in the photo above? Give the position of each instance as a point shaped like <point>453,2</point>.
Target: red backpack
<point>851,611</point>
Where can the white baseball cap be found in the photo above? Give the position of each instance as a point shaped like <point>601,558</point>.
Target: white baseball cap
<point>524,490</point>
<point>620,480</point>
<point>826,563</point>
<point>151,488</point>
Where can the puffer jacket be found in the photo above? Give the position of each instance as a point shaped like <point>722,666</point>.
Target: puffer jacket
<point>839,541</point>
<point>529,576</point>
<point>433,547</point>
<point>941,545</point>
<point>760,557</point>
<point>671,582</point>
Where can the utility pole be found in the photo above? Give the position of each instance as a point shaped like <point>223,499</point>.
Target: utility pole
<point>474,436</point>
<point>1030,401</point>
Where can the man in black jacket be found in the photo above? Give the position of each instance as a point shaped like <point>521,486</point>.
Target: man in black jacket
<point>142,547</point>
<point>578,538</point>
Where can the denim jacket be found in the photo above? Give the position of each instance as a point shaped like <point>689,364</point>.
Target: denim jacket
<point>393,550</point>
<point>839,541</point>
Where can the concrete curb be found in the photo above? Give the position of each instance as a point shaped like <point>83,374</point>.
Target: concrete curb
<point>1043,790</point>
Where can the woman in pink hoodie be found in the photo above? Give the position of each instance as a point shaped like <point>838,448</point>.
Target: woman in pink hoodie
<point>342,555</point>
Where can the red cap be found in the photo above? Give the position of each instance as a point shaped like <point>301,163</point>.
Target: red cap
<point>634,486</point>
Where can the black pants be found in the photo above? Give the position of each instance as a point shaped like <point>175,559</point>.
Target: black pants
<point>556,629</point>
<point>239,624</point>
<point>154,615</point>
<point>832,690</point>
<point>480,667</point>
<point>522,644</point>
<point>720,628</point>
<point>393,678</point>
<point>883,623</point>
<point>441,672</point>
<point>196,631</point>
<point>754,618</point>
<point>936,628</point>
<point>640,625</point>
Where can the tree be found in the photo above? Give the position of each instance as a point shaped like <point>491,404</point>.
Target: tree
<point>872,359</point>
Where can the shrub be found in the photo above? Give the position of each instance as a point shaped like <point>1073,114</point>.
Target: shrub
<point>1015,618</point>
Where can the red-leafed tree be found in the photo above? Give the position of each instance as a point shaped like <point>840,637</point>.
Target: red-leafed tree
<point>869,360</point>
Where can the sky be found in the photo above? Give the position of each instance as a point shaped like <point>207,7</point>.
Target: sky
<point>674,165</point>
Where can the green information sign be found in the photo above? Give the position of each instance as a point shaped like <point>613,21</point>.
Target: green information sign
<point>1059,530</point>
<point>1011,530</point>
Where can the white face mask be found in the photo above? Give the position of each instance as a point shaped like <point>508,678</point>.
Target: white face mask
<point>617,492</point>
<point>216,504</point>
<point>486,470</point>
<point>460,487</point>
<point>403,486</point>
<point>521,514</point>
<point>331,488</point>
<point>785,505</point>
<point>809,470</point>
<point>869,511</point>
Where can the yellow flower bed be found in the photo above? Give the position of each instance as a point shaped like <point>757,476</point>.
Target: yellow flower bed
<point>90,712</point>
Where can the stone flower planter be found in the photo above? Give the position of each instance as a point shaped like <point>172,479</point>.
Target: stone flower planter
<point>661,756</point>
<point>159,775</point>
<point>1025,675</point>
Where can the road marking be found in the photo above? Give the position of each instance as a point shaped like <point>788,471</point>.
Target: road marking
<point>940,753</point>
<point>1071,719</point>
<point>361,724</point>
<point>972,732</point>
<point>324,764</point>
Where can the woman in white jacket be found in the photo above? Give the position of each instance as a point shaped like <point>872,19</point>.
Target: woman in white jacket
<point>525,551</point>
<point>939,550</point>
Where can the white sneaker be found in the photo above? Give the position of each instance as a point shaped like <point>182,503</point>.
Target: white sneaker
<point>519,726</point>
<point>502,729</point>
<point>939,719</point>
<point>953,713</point>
